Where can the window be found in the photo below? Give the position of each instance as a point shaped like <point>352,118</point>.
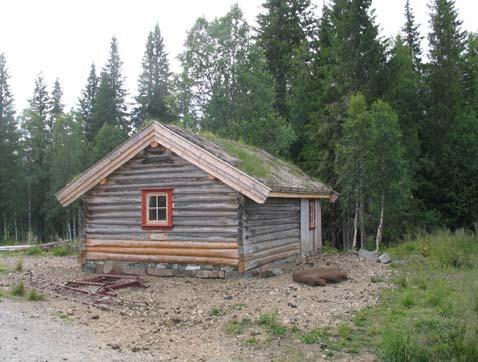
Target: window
<point>311,214</point>
<point>157,208</point>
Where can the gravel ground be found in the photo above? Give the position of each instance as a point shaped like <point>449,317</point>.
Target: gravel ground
<point>171,320</point>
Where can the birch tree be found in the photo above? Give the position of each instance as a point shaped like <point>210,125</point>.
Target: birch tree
<point>385,165</point>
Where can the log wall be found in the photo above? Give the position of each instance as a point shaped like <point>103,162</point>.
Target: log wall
<point>269,232</point>
<point>205,214</point>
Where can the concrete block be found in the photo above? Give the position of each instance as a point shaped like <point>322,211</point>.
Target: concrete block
<point>233,275</point>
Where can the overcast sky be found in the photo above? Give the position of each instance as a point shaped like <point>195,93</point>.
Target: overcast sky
<point>62,38</point>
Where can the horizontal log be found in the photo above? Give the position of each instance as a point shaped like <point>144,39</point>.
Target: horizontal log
<point>253,248</point>
<point>267,229</point>
<point>170,237</point>
<point>176,213</point>
<point>251,264</point>
<point>162,259</point>
<point>200,191</point>
<point>266,222</point>
<point>273,236</point>
<point>163,244</point>
<point>115,229</point>
<point>213,253</point>
<point>181,175</point>
<point>270,252</point>
<point>178,221</point>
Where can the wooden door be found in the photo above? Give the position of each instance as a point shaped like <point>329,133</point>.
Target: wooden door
<point>310,226</point>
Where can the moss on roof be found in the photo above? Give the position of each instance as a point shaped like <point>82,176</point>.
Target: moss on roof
<point>274,172</point>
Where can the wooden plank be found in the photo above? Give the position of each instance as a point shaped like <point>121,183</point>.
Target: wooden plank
<point>272,236</point>
<point>162,259</point>
<point>170,237</point>
<point>297,195</point>
<point>213,253</point>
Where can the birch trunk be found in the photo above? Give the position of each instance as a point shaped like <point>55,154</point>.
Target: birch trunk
<point>362,225</point>
<point>354,242</point>
<point>378,239</point>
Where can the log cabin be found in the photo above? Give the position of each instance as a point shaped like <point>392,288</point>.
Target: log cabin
<point>170,202</point>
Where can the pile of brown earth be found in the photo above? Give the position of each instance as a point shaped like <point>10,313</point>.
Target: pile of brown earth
<point>319,276</point>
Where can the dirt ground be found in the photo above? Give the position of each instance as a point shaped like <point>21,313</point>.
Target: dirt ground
<point>184,319</point>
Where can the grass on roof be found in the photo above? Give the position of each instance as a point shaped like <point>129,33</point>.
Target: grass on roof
<point>250,161</point>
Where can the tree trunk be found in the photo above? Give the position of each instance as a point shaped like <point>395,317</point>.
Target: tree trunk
<point>29,212</point>
<point>16,227</point>
<point>354,242</point>
<point>378,239</point>
<point>363,237</point>
<point>4,227</point>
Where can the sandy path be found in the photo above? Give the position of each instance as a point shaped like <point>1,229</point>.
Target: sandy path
<point>29,334</point>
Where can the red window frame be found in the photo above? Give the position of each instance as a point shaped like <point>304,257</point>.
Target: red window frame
<point>169,208</point>
<point>312,214</point>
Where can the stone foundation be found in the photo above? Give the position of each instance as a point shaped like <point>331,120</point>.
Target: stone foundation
<point>163,270</point>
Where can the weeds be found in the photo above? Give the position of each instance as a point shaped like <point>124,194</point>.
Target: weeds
<point>19,265</point>
<point>34,250</point>
<point>216,312</point>
<point>270,323</point>
<point>35,296</point>
<point>3,269</point>
<point>376,279</point>
<point>18,290</point>
<point>63,250</point>
<point>237,327</point>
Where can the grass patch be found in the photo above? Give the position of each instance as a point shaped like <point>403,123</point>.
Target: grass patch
<point>4,269</point>
<point>63,316</point>
<point>269,321</point>
<point>35,296</point>
<point>329,250</point>
<point>431,314</point>
<point>238,327</point>
<point>18,290</point>
<point>376,279</point>
<point>63,250</point>
<point>251,341</point>
<point>250,163</point>
<point>216,312</point>
<point>34,250</point>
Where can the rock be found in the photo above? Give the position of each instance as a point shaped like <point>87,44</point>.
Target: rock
<point>269,273</point>
<point>115,346</point>
<point>369,255</point>
<point>292,305</point>
<point>319,276</point>
<point>96,316</point>
<point>384,258</point>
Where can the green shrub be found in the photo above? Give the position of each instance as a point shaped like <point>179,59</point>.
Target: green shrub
<point>18,290</point>
<point>34,250</point>
<point>408,301</point>
<point>35,296</point>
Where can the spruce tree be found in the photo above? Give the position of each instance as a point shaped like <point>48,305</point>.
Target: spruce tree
<point>286,26</point>
<point>153,82</point>
<point>87,102</point>
<point>57,105</point>
<point>110,105</point>
<point>10,177</point>
<point>36,128</point>
<point>446,104</point>
<point>412,36</point>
